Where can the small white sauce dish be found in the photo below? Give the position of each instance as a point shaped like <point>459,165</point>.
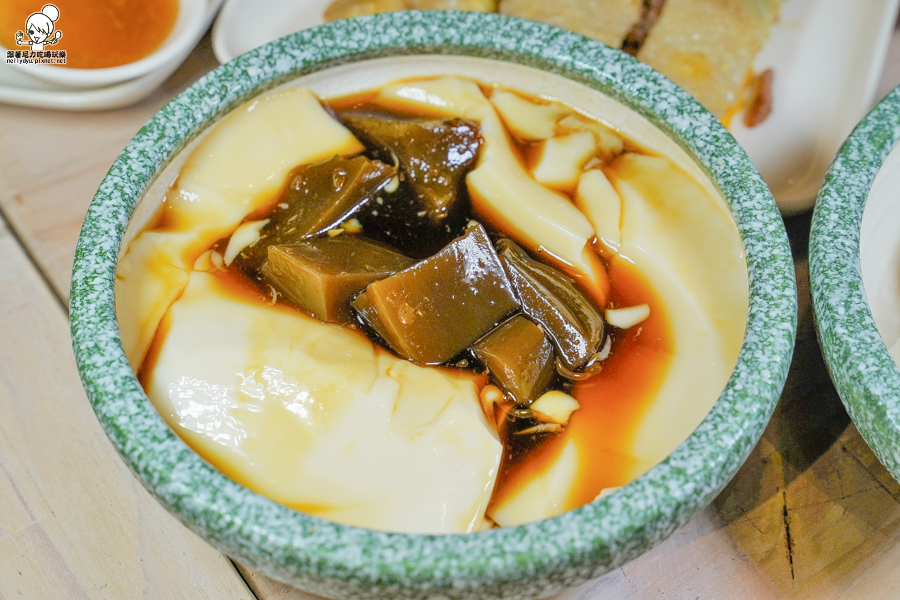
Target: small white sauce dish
<point>189,25</point>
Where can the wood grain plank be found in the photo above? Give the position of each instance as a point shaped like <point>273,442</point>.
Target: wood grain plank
<point>74,521</point>
<point>267,588</point>
<point>45,193</point>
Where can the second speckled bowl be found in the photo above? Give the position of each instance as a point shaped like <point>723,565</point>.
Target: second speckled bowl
<point>854,267</point>
<point>528,561</point>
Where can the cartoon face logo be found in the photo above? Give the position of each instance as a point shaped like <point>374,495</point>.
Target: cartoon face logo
<point>40,27</point>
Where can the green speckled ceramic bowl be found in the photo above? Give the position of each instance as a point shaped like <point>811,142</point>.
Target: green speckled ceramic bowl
<point>854,263</point>
<point>519,562</point>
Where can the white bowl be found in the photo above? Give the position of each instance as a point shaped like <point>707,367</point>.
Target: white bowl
<point>188,26</point>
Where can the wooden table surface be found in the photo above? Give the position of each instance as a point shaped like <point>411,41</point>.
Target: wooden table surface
<point>812,514</point>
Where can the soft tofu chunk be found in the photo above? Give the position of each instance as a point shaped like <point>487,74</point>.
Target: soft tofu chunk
<point>609,144</point>
<point>321,275</point>
<point>545,495</point>
<point>685,243</point>
<point>519,357</point>
<point>235,170</point>
<point>245,235</point>
<point>437,308</point>
<point>601,204</point>
<point>527,120</point>
<point>317,418</point>
<point>561,158</point>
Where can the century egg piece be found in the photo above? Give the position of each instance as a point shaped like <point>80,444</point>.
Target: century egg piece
<point>322,275</point>
<point>437,308</point>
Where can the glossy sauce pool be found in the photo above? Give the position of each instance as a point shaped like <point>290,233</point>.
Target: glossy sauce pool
<point>96,33</point>
<point>612,402</point>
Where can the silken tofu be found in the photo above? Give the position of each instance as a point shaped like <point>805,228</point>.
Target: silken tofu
<point>317,418</point>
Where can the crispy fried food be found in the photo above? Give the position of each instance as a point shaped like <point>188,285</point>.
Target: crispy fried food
<point>473,5</point>
<point>708,46</point>
<point>344,9</point>
<point>609,21</point>
<point>637,35</point>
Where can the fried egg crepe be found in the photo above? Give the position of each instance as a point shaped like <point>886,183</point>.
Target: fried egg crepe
<point>708,46</point>
<point>604,20</point>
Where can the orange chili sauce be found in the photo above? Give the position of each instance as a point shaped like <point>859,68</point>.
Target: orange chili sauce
<point>96,33</point>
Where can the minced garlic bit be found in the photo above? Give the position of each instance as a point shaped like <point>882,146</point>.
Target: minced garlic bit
<point>623,318</point>
<point>491,393</point>
<point>352,226</point>
<point>555,406</point>
<point>541,428</point>
<point>592,162</point>
<point>393,185</point>
<point>244,236</point>
<point>490,396</point>
<point>203,262</point>
<point>607,492</point>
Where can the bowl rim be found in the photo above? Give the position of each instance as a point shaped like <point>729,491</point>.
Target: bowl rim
<point>866,377</point>
<point>187,28</point>
<point>562,551</point>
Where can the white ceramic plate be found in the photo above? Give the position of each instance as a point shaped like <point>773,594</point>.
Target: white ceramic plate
<point>18,88</point>
<point>22,89</point>
<point>247,24</point>
<point>827,56</point>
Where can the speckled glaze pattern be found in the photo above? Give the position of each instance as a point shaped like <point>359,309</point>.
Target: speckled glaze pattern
<point>863,372</point>
<point>529,561</point>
